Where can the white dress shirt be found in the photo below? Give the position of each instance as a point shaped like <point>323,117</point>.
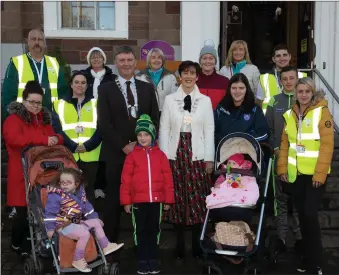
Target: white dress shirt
<point>124,89</point>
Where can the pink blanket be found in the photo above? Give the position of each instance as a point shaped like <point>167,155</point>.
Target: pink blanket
<point>235,189</point>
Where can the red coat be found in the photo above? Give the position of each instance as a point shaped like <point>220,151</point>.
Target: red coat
<point>146,177</point>
<point>22,128</point>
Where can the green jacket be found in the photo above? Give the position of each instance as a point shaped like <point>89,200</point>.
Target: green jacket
<point>10,86</point>
<point>276,107</point>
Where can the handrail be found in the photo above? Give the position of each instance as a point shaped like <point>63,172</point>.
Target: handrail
<point>329,88</point>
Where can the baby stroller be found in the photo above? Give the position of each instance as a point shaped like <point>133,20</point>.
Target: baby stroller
<point>261,157</point>
<point>41,165</point>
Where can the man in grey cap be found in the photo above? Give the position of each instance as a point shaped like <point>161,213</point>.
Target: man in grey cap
<point>211,83</point>
<point>120,103</point>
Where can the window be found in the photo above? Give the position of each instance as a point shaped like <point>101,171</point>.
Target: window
<point>86,19</point>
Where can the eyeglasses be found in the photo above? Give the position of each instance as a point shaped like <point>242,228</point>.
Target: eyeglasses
<point>96,57</point>
<point>34,103</point>
<point>67,182</point>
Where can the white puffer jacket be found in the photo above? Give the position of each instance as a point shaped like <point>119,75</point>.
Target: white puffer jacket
<point>167,84</point>
<point>251,71</point>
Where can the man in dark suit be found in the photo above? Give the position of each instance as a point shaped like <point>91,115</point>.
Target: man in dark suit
<point>120,103</point>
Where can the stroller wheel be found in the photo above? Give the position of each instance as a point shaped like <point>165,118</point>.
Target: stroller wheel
<point>29,267</point>
<point>114,270</point>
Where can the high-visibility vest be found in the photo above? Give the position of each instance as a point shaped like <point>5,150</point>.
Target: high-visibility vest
<point>269,84</point>
<point>26,74</point>
<point>309,137</point>
<point>70,120</point>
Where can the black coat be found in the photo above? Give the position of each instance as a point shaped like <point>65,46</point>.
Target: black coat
<point>114,125</point>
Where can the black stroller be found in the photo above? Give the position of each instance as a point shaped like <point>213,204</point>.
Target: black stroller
<point>261,157</point>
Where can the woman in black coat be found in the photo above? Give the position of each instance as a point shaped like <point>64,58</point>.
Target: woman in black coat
<point>96,74</point>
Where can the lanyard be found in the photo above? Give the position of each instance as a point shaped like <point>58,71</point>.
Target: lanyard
<point>278,80</point>
<point>79,111</point>
<point>299,127</point>
<point>39,73</point>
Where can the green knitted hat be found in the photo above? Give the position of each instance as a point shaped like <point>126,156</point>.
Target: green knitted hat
<point>144,123</point>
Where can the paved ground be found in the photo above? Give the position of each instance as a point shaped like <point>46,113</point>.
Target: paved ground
<point>11,264</point>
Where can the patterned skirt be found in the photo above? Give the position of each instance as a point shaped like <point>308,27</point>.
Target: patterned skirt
<point>191,186</point>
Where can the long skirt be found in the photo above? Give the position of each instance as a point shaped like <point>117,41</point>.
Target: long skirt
<point>191,186</point>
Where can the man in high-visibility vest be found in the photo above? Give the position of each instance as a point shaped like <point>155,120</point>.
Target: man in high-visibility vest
<point>75,118</point>
<point>34,65</point>
<point>270,84</point>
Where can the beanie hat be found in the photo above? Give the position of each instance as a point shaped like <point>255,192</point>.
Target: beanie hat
<point>208,49</point>
<point>92,50</point>
<point>144,123</point>
<point>237,158</point>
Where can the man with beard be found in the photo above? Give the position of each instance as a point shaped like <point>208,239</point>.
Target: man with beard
<point>120,104</point>
<point>34,65</point>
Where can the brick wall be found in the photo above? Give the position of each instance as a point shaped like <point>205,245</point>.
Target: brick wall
<point>147,21</point>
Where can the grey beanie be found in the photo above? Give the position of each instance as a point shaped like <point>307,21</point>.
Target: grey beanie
<point>210,50</point>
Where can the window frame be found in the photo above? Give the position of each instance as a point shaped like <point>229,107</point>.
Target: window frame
<point>53,18</point>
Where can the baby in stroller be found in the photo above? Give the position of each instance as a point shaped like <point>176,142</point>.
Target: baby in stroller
<point>234,188</point>
<point>69,213</point>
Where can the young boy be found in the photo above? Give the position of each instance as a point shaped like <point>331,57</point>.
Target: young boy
<point>146,183</point>
<point>277,106</point>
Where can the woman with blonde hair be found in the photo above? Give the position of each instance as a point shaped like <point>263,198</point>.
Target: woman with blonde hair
<point>155,73</point>
<point>306,150</point>
<point>238,61</point>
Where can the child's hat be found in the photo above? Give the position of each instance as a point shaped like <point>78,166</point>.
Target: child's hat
<point>238,158</point>
<point>145,124</point>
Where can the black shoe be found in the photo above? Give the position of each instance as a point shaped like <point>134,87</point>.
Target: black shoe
<point>143,267</point>
<point>302,266</point>
<point>153,267</point>
<point>317,271</point>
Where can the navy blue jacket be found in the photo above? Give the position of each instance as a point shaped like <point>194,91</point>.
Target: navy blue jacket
<point>90,144</point>
<point>228,122</point>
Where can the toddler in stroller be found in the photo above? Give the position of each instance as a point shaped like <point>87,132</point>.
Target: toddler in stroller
<point>68,212</point>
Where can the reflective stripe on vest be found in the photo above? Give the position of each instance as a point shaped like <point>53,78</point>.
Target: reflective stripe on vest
<point>271,88</point>
<point>68,117</point>
<point>26,74</point>
<point>303,162</point>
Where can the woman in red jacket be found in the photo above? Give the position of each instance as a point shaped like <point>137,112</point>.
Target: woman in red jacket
<point>146,183</point>
<point>28,123</point>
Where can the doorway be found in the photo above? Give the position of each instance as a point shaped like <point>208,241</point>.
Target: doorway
<point>262,28</point>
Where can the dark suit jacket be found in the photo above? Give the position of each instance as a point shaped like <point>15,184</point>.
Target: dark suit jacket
<point>114,125</point>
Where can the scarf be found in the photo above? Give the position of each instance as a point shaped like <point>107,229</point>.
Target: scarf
<point>97,79</point>
<point>156,76</point>
<point>238,66</point>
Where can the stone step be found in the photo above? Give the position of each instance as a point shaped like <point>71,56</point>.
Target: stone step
<point>334,169</point>
<point>332,185</point>
<point>330,201</point>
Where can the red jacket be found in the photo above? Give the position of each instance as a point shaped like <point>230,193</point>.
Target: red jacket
<point>214,86</point>
<point>146,177</point>
<point>22,128</point>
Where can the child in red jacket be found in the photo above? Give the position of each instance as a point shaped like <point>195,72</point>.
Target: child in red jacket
<point>146,183</point>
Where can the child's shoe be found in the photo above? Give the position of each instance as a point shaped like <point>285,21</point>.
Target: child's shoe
<point>153,267</point>
<point>111,247</point>
<point>143,268</point>
<point>82,266</point>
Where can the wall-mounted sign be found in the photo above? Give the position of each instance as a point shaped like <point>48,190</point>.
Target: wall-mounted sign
<point>234,17</point>
<point>164,46</point>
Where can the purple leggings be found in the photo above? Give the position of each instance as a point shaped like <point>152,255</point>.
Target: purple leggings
<point>80,233</point>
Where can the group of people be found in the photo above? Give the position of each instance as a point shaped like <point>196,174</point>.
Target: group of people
<point>147,141</point>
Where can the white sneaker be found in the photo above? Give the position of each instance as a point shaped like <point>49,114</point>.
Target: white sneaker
<point>13,213</point>
<point>98,193</point>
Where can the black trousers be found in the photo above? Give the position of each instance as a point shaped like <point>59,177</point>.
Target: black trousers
<point>101,182</point>
<point>20,229</point>
<point>307,201</point>
<point>112,209</point>
<point>89,170</point>
<point>146,219</point>
<point>180,233</point>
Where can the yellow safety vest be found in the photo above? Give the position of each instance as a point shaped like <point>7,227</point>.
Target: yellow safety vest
<point>26,74</point>
<point>308,137</point>
<point>269,84</point>
<point>70,119</point>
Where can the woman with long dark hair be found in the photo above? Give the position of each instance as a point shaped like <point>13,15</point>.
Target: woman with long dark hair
<point>238,112</point>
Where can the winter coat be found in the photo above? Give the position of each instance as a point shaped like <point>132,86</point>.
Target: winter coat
<point>62,207</point>
<point>108,77</point>
<point>146,177</point>
<point>167,84</point>
<point>326,140</point>
<point>231,121</point>
<point>250,71</point>
<point>22,128</point>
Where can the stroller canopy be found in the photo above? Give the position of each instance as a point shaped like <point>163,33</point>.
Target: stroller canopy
<point>238,143</point>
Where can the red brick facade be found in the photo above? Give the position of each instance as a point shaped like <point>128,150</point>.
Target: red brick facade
<point>146,21</point>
